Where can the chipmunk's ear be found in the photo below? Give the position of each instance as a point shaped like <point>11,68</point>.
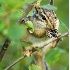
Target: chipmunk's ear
<point>51,2</point>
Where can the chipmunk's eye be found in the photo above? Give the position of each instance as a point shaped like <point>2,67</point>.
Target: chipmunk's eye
<point>43,17</point>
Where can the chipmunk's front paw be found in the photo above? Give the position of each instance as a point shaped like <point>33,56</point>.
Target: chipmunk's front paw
<point>52,33</point>
<point>60,38</point>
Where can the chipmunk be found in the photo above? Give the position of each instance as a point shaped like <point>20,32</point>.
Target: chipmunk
<point>46,25</point>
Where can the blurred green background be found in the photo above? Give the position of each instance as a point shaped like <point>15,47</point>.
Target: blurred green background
<point>10,12</point>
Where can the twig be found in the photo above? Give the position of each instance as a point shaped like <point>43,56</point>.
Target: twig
<point>4,48</point>
<point>16,61</point>
<point>27,53</point>
<point>51,2</point>
<point>48,46</point>
<point>26,12</point>
<point>46,42</point>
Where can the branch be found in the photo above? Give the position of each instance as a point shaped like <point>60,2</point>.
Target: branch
<point>4,48</point>
<point>26,12</point>
<point>27,53</point>
<point>51,2</point>
<point>46,42</point>
<point>47,46</point>
<point>16,61</point>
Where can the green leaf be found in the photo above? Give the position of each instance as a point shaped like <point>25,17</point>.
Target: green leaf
<point>2,25</point>
<point>2,12</point>
<point>29,25</point>
<point>24,44</point>
<point>5,32</point>
<point>16,32</point>
<point>62,27</point>
<point>15,15</point>
<point>49,7</point>
<point>54,56</point>
<point>34,67</point>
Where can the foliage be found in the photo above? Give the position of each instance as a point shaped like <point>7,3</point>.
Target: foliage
<point>30,26</point>
<point>34,67</point>
<point>2,25</point>
<point>50,7</point>
<point>16,32</point>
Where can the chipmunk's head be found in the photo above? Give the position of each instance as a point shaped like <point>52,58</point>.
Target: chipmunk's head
<point>48,18</point>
